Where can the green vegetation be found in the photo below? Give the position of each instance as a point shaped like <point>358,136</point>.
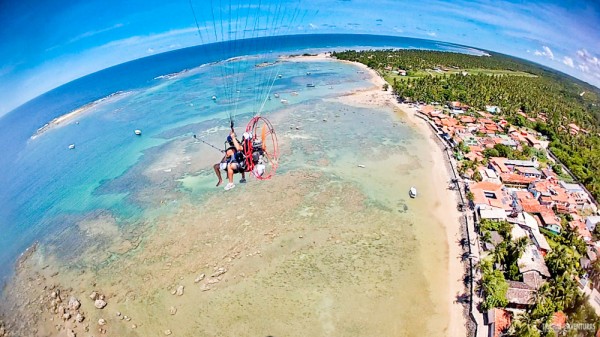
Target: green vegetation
<point>553,100</point>
<point>494,286</point>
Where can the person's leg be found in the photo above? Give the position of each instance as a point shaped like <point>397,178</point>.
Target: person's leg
<point>243,180</point>
<point>231,168</point>
<point>217,168</point>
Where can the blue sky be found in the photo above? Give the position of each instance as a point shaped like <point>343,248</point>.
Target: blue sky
<point>44,44</point>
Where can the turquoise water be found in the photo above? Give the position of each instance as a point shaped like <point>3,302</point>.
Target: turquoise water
<point>48,188</point>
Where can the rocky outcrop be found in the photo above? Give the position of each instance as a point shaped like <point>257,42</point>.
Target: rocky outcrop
<point>100,304</point>
<point>74,304</point>
<point>179,291</point>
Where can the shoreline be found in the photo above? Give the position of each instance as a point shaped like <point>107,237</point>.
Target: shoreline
<point>441,174</point>
<point>70,116</point>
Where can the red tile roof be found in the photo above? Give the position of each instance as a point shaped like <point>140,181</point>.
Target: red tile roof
<point>511,178</point>
<point>559,320</point>
<point>502,321</point>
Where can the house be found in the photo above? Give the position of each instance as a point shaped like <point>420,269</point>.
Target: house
<point>528,172</point>
<point>498,164</point>
<point>498,322</point>
<point>559,321</point>
<point>488,195</point>
<point>519,295</point>
<point>516,180</point>
<point>492,109</point>
<point>550,221</point>
<point>532,267</point>
<point>511,163</point>
<point>538,238</point>
<point>496,214</point>
<point>547,173</point>
<point>402,72</point>
<point>591,222</point>
<point>496,238</point>
<point>427,110</point>
<point>581,228</point>
<point>489,175</point>
<point>467,119</point>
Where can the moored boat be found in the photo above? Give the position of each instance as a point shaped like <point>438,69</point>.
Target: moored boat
<point>138,132</point>
<point>412,192</point>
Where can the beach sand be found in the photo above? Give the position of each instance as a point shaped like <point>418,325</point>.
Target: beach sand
<point>325,248</point>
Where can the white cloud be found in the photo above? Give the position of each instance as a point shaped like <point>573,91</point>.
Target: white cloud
<point>546,51</point>
<point>568,61</point>
<point>588,63</point>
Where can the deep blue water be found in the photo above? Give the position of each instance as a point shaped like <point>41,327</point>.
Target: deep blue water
<point>45,187</point>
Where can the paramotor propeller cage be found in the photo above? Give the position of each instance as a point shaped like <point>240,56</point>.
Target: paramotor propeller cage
<point>261,149</point>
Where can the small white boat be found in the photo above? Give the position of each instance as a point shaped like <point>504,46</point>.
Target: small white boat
<point>138,132</point>
<point>412,192</point>
<point>310,85</point>
<point>276,95</point>
<point>71,147</point>
<point>279,76</point>
<point>214,98</point>
<point>284,101</point>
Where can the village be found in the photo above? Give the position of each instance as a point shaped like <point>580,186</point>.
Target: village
<point>521,198</point>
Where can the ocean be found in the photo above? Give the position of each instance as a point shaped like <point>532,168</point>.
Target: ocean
<point>47,188</point>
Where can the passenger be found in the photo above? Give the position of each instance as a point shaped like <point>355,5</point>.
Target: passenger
<point>232,162</point>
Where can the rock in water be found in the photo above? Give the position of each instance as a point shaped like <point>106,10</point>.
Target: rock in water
<point>79,318</point>
<point>101,321</point>
<point>74,304</point>
<point>100,304</point>
<point>172,310</point>
<point>199,278</point>
<point>167,332</point>
<point>94,296</point>
<point>219,272</point>
<point>179,291</point>
<point>71,333</point>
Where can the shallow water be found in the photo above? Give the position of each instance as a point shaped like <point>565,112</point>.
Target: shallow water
<point>325,248</point>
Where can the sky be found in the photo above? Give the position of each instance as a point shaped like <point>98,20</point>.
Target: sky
<point>47,43</point>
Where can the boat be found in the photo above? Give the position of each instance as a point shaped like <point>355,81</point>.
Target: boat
<point>276,95</point>
<point>310,85</point>
<point>214,98</point>
<point>279,76</point>
<point>412,192</point>
<point>284,101</point>
<point>138,132</point>
<point>71,147</point>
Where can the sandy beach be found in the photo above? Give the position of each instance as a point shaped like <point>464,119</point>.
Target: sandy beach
<point>331,246</point>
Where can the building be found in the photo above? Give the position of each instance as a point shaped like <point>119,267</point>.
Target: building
<point>519,295</point>
<point>488,195</point>
<point>591,222</point>
<point>516,180</point>
<point>498,322</point>
<point>582,230</point>
<point>532,267</point>
<point>528,172</point>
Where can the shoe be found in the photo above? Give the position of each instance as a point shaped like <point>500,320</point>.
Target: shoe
<point>229,186</point>
<point>243,181</point>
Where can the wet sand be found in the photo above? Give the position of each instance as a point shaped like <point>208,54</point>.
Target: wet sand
<point>326,248</point>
